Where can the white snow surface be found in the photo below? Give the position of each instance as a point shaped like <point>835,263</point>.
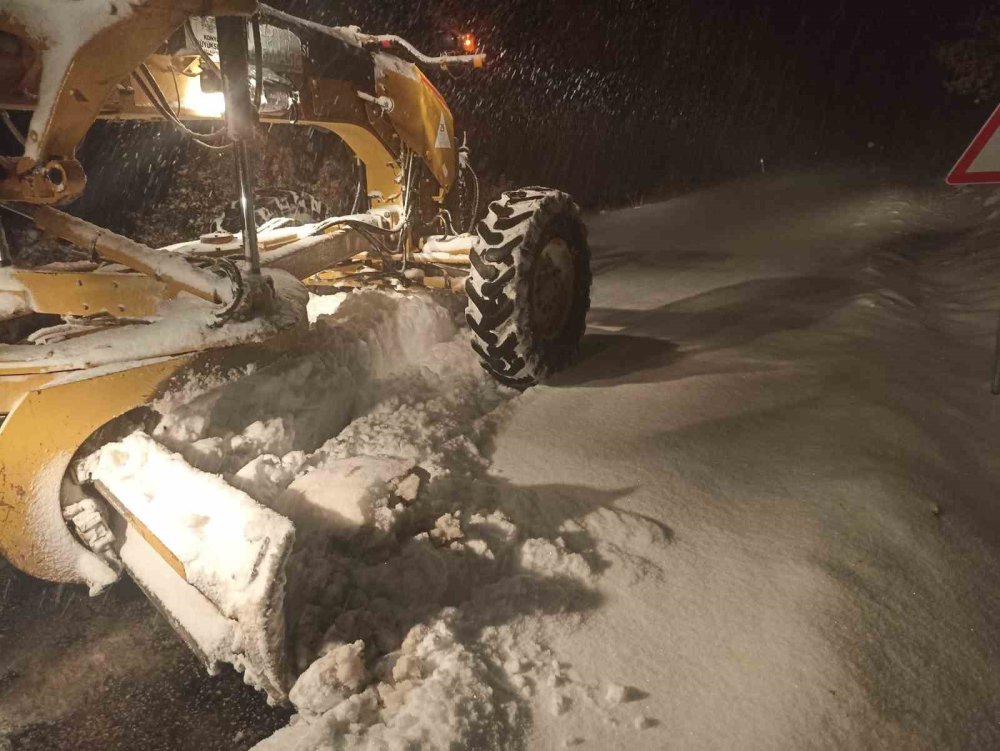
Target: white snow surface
<point>759,513</point>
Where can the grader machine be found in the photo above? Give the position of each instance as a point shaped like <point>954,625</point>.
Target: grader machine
<point>137,324</point>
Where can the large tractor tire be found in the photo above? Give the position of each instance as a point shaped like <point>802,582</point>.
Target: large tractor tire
<point>529,287</point>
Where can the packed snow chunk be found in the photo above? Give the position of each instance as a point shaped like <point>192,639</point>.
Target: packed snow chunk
<point>517,665</point>
<point>265,477</point>
<point>343,495</point>
<point>324,305</point>
<point>407,668</point>
<point>207,454</point>
<point>356,711</point>
<point>230,546</point>
<point>270,436</point>
<point>447,529</point>
<point>330,680</point>
<point>560,704</point>
<point>618,694</point>
<point>408,488</point>
<point>552,558</point>
<point>453,704</point>
<point>442,700</point>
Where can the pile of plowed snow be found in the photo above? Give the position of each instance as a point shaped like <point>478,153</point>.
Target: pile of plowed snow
<point>415,577</point>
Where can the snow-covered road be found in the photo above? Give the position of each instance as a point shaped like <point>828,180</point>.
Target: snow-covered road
<point>793,376</point>
<point>759,513</point>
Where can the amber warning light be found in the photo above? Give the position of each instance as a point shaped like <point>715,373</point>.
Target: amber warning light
<point>468,42</point>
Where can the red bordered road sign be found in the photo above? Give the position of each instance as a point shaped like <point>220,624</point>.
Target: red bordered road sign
<point>980,164</point>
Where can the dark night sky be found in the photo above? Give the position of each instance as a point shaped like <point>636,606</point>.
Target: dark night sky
<point>615,99</point>
<point>680,90</point>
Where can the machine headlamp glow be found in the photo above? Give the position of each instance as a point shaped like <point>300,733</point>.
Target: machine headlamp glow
<point>203,103</point>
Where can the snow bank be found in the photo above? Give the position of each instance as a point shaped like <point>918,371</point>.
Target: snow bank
<point>416,580</point>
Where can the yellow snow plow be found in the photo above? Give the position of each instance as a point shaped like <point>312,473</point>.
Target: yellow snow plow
<point>138,326</point>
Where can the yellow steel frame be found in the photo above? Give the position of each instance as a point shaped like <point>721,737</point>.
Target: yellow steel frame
<point>39,437</point>
<point>70,293</point>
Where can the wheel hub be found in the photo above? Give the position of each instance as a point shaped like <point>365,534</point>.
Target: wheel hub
<point>552,289</point>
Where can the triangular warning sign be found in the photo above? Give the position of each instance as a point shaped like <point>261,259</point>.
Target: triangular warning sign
<point>980,164</point>
<point>442,142</point>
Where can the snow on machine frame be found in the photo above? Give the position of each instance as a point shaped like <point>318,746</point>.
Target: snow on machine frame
<point>140,325</point>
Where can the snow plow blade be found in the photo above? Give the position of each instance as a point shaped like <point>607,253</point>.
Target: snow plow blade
<point>209,556</point>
